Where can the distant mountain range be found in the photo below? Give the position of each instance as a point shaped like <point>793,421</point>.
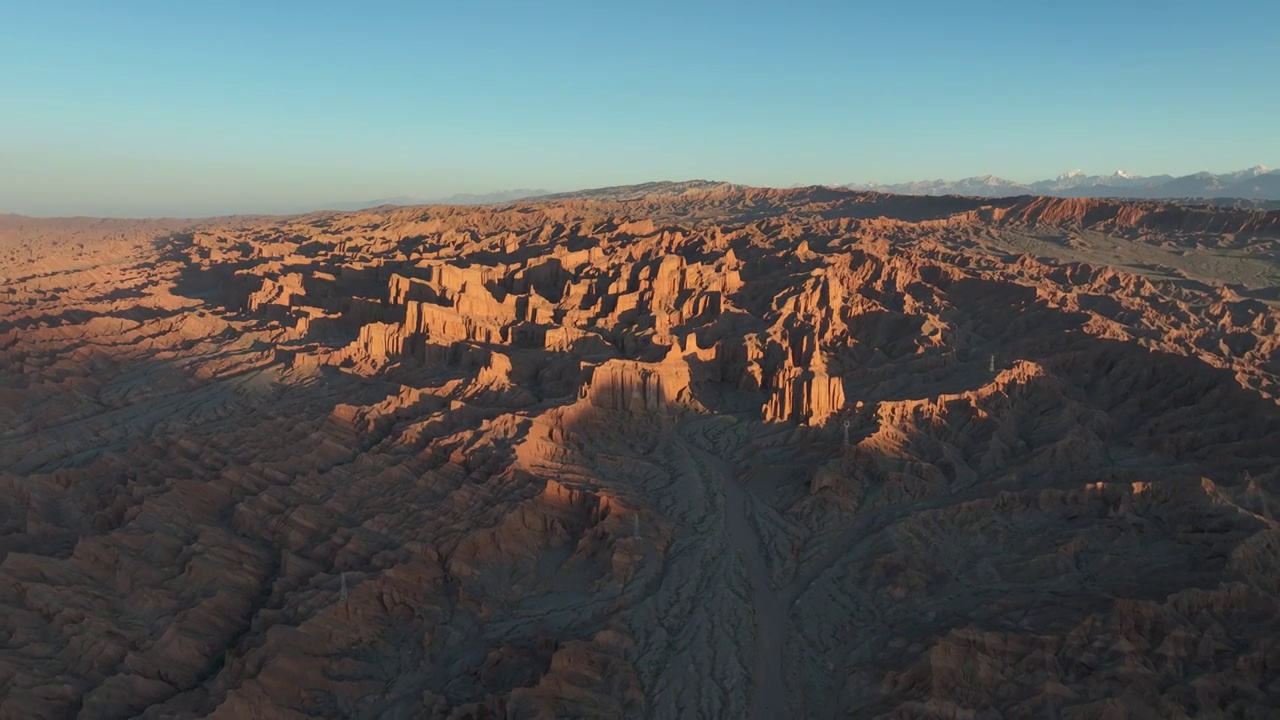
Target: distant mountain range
<point>1255,183</point>
<point>1254,187</point>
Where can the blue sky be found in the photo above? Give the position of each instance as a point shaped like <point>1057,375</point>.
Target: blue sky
<point>146,108</point>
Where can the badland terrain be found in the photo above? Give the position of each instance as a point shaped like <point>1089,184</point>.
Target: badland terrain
<point>685,450</point>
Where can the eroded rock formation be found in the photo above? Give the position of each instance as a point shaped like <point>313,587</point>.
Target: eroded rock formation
<point>706,452</point>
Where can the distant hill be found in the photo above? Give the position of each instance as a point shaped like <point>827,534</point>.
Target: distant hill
<point>615,192</point>
<point>457,199</point>
<point>643,190</point>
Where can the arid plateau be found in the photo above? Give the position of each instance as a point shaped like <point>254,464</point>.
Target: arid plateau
<point>682,450</point>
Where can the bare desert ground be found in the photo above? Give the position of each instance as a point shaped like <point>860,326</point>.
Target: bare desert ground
<point>688,450</point>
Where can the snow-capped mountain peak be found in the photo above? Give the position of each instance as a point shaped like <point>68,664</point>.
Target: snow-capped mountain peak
<point>1254,183</point>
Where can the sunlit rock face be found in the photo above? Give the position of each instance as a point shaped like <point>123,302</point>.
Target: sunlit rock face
<point>677,451</point>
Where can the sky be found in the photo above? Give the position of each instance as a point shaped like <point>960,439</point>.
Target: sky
<point>141,108</point>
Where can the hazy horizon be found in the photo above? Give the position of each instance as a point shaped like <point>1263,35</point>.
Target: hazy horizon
<point>348,204</point>
<point>160,110</point>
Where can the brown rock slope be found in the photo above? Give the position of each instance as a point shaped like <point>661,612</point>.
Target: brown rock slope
<point>722,452</point>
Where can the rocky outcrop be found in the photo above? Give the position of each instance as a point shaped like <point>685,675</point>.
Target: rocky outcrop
<point>806,395</point>
<point>1119,216</point>
<point>641,387</point>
